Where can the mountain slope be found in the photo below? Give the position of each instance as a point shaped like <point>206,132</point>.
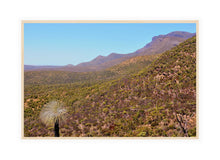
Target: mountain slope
<point>159,100</point>
<point>152,102</point>
<point>162,43</point>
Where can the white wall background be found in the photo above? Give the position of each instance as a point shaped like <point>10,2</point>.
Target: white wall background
<point>11,14</point>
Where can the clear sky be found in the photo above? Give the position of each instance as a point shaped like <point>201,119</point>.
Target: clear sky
<point>73,43</point>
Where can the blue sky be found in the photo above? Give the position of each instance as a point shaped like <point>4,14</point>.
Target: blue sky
<point>73,43</point>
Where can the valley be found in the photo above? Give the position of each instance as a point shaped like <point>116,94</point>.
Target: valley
<point>148,93</point>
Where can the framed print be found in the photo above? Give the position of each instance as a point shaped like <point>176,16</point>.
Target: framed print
<point>110,79</point>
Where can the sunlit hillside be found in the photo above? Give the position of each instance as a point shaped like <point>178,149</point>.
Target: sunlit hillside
<point>147,96</point>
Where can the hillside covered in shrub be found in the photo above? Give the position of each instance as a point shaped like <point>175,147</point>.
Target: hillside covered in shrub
<point>145,96</point>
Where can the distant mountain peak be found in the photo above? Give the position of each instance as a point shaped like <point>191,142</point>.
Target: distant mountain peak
<point>69,65</point>
<point>99,57</point>
<point>112,54</point>
<point>180,34</point>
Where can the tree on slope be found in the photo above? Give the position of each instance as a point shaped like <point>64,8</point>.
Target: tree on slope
<point>51,115</point>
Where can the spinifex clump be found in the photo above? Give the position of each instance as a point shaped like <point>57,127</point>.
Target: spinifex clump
<point>51,114</point>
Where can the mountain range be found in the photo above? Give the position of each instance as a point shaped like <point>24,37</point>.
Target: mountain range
<point>159,44</point>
